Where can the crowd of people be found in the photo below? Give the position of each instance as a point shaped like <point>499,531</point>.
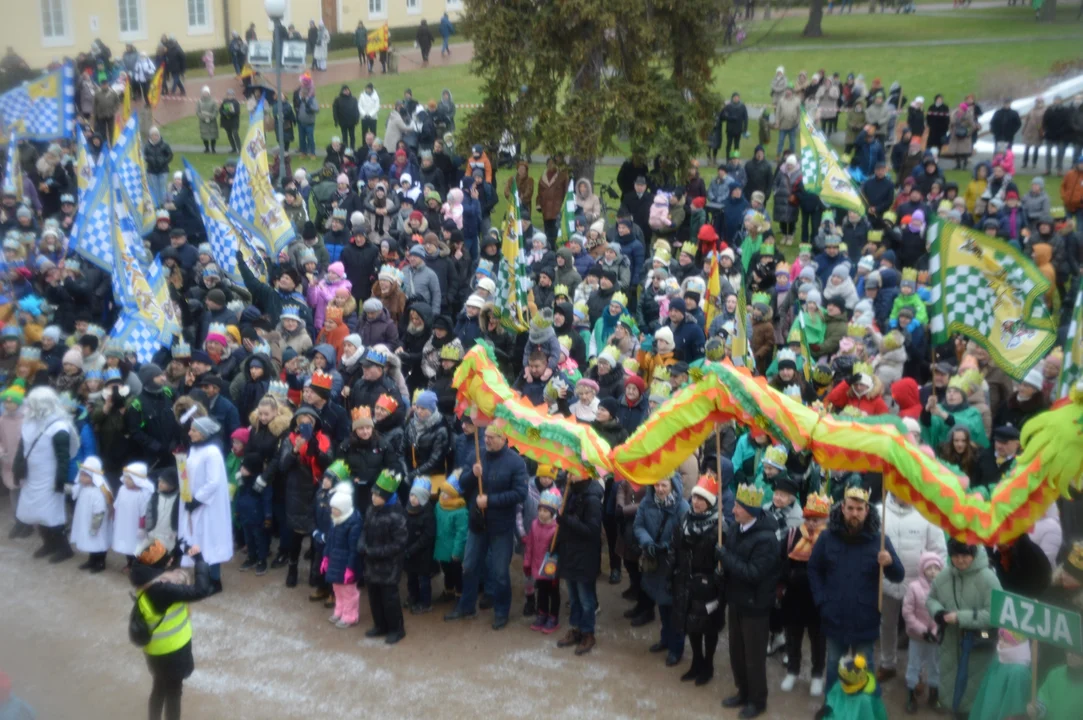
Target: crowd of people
<point>312,417</point>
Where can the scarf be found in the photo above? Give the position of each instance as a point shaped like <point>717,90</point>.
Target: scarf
<point>450,504</point>
<point>699,524</point>
<point>802,549</point>
<point>668,501</point>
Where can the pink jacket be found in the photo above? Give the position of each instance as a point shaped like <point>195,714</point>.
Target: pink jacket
<point>914,612</point>
<point>322,293</point>
<point>535,545</point>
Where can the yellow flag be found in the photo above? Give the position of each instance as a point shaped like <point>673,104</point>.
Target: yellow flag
<point>379,39</point>
<point>714,293</point>
<point>154,90</point>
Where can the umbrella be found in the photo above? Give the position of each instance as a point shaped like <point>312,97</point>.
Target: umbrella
<point>268,92</point>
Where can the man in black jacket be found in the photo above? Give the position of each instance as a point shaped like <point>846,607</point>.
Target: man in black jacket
<point>150,422</point>
<point>751,563</point>
<point>346,116</point>
<point>735,115</point>
<point>637,203</point>
<point>999,460</point>
<point>758,174</point>
<point>1005,123</point>
<point>879,193</point>
<point>361,260</point>
<point>1056,129</point>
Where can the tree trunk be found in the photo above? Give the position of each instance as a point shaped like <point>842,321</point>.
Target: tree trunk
<point>815,17</point>
<point>584,149</point>
<point>1048,11</point>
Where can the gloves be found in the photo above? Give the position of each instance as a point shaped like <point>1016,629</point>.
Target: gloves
<point>719,553</point>
<point>317,536</point>
<point>323,565</point>
<point>651,550</point>
<point>348,577</point>
<point>260,484</point>
<point>191,505</point>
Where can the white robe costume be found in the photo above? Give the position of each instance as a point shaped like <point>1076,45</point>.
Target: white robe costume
<point>92,522</point>
<point>39,502</point>
<point>210,525</point>
<point>129,509</point>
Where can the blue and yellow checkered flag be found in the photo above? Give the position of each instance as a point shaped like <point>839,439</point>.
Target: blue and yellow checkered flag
<point>41,110</point>
<point>252,196</point>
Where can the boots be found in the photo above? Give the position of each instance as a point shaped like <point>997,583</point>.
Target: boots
<point>291,575</point>
<point>706,672</point>
<point>934,698</point>
<point>574,637</point>
<point>61,547</point>
<point>693,671</point>
<point>48,544</point>
<point>319,593</point>
<point>614,576</point>
<point>531,606</point>
<point>20,530</point>
<point>586,644</point>
<point>911,703</point>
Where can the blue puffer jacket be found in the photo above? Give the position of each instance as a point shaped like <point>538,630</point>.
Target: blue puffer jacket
<point>688,339</point>
<point>632,248</point>
<point>340,547</point>
<point>844,577</point>
<point>504,479</point>
<point>655,525</point>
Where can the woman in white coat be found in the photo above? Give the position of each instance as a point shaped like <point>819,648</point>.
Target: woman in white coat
<point>323,42</point>
<point>204,519</point>
<point>92,520</point>
<point>130,508</point>
<point>48,443</point>
<point>911,535</point>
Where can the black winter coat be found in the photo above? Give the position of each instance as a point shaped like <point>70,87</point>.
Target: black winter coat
<point>366,459</point>
<point>344,111</point>
<point>361,265</point>
<point>427,448</point>
<point>384,544</point>
<point>300,484</point>
<point>695,584</point>
<point>751,564</point>
<point>157,157</point>
<point>579,537</point>
<point>421,539</point>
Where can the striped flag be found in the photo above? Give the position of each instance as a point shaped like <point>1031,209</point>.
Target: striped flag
<point>1071,373</point>
<point>252,196</point>
<point>512,276</point>
<point>154,89</point>
<point>567,216</point>
<point>226,231</point>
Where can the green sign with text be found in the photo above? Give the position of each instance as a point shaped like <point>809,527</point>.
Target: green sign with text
<point>1046,623</point>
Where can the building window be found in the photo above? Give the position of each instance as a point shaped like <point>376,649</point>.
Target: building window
<point>55,23</point>
<point>377,10</point>
<point>199,17</point>
<point>454,4</point>
<point>413,7</point>
<point>131,19</point>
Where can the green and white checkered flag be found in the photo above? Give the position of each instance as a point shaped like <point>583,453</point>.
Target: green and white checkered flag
<point>567,216</point>
<point>1071,373</point>
<point>990,292</point>
<point>512,275</point>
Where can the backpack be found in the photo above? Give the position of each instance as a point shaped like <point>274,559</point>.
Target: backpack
<point>962,131</point>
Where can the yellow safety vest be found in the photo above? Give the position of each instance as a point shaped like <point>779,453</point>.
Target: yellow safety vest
<point>171,631</point>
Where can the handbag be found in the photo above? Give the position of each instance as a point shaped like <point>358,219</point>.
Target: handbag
<point>438,480</point>
<point>139,632</point>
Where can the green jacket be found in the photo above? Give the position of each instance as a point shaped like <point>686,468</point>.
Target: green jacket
<point>1060,697</point>
<point>834,332</point>
<point>968,593</point>
<point>939,430</point>
<point>915,303</point>
<point>233,466</point>
<point>451,532</point>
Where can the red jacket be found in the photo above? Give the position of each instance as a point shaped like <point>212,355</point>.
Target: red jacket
<point>907,396</point>
<point>841,397</point>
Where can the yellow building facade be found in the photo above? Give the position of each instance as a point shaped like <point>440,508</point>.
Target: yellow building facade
<point>43,30</point>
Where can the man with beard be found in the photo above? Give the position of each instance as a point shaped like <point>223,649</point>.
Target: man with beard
<point>844,575</point>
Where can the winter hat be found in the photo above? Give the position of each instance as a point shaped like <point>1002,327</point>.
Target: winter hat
<point>867,263</point>
<point>426,400</point>
<point>611,406</point>
<point>206,425</point>
<point>873,280</point>
<point>550,499</point>
<point>372,305</point>
<point>337,268</point>
<point>342,500</point>
<point>706,488</point>
<point>421,489</point>
<point>815,298</point>
<point>610,355</point>
<point>1034,379</point>
<point>240,434</point>
<point>541,327</point>
<point>664,334</point>
<point>73,357</point>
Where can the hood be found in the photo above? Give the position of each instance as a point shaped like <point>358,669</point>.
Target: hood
<point>450,97</point>
<point>837,525</point>
<point>988,170</point>
<point>565,309</point>
<point>424,310</point>
<point>569,258</point>
<point>328,353</point>
<point>889,278</point>
<point>906,393</point>
<point>279,424</point>
<point>981,562</point>
<point>1043,253</point>
<point>344,90</point>
<point>590,187</point>
<point>929,559</point>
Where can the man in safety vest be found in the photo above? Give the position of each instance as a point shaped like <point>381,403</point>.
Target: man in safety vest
<point>162,596</point>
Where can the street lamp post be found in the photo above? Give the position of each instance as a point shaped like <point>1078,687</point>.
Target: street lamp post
<point>276,9</point>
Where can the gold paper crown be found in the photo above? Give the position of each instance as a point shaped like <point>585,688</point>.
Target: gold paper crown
<point>776,456</point>
<point>1074,562</point>
<point>782,268</point>
<point>565,341</point>
<point>795,335</point>
<point>360,412</point>
<point>750,495</point>
<point>856,331</point>
<point>761,298</point>
<point>852,674</point>
<point>817,505</point>
<point>960,384</point>
<point>786,354</point>
<point>619,297</point>
<point>875,236</point>
<point>852,411</point>
<point>923,277</point>
<point>451,351</point>
<point>661,374</point>
<point>660,245</point>
<point>689,248</point>
<point>630,365</point>
<point>862,368</point>
<point>857,493</point>
<point>714,349</point>
<point>821,375</point>
<point>893,340</point>
<point>663,256</point>
<point>561,289</point>
<point>660,388</point>
<point>910,274</point>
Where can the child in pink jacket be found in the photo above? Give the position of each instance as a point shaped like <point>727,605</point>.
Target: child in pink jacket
<point>535,545</point>
<point>323,292</point>
<point>920,626</point>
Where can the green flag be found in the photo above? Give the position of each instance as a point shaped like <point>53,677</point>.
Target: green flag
<point>822,173</point>
<point>567,216</point>
<point>1071,371</point>
<point>512,275</point>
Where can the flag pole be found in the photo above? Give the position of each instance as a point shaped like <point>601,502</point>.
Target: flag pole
<point>718,478</point>
<point>883,544</point>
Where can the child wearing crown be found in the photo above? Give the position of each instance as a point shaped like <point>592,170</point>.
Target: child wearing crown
<point>384,540</point>
<point>909,298</point>
<point>854,696</point>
